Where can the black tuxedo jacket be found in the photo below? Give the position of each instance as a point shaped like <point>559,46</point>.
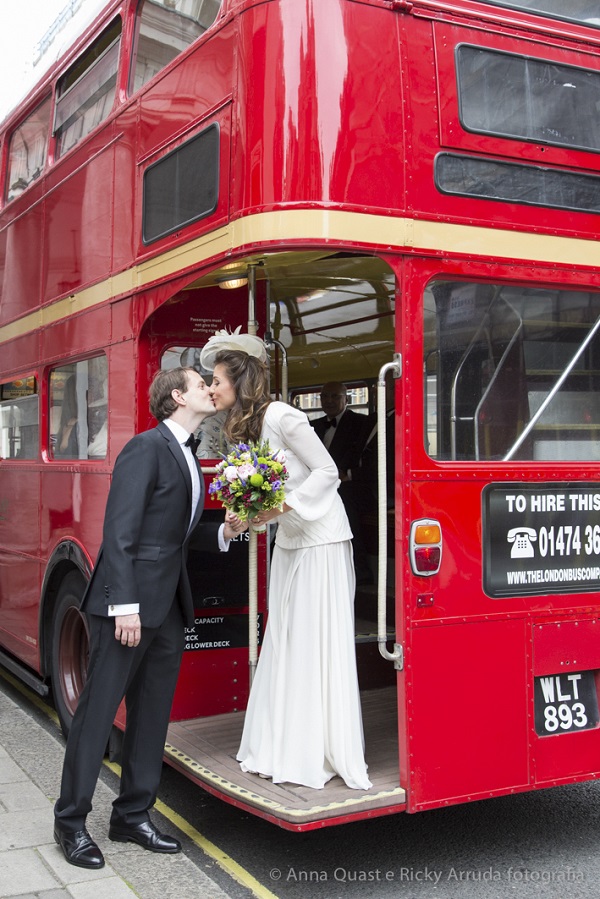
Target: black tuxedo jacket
<point>365,473</point>
<point>147,530</point>
<point>348,440</point>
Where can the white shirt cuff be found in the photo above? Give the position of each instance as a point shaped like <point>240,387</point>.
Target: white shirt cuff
<point>223,543</point>
<point>132,608</point>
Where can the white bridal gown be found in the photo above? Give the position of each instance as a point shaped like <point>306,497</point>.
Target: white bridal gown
<point>303,724</point>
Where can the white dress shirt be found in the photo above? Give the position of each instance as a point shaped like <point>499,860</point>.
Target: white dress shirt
<point>182,436</point>
<point>330,430</point>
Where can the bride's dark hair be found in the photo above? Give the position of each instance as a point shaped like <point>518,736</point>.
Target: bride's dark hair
<point>250,379</point>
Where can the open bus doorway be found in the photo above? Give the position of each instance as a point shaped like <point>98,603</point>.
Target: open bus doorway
<point>326,317</point>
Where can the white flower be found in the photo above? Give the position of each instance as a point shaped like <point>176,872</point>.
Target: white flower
<point>244,471</point>
<point>280,457</point>
<point>231,473</point>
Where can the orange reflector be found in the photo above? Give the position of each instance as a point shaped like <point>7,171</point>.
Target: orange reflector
<point>427,533</point>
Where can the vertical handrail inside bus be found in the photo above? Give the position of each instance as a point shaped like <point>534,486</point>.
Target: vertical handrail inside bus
<point>537,415</point>
<point>505,355</point>
<point>253,544</point>
<point>454,391</point>
<point>252,604</point>
<point>270,341</point>
<point>396,655</point>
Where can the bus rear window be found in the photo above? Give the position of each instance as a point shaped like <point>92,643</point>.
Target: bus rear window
<point>511,373</point>
<point>585,12</point>
<point>532,185</point>
<point>19,427</point>
<point>527,99</point>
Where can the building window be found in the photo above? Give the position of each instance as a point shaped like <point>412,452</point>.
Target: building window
<point>79,409</point>
<point>19,429</point>
<point>27,151</point>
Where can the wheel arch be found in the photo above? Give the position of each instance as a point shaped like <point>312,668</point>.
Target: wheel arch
<point>68,556</point>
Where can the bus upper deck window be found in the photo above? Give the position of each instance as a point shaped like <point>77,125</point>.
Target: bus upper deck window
<point>164,29</point>
<point>27,153</point>
<point>86,93</point>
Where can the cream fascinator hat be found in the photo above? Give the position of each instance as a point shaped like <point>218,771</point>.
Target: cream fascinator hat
<point>223,340</point>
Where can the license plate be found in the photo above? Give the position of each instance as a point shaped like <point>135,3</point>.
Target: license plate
<point>565,703</point>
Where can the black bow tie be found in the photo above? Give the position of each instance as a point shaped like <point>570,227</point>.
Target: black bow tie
<point>193,443</point>
<point>331,422</point>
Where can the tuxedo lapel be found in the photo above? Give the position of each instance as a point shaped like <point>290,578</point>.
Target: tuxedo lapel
<point>344,431</point>
<point>320,427</point>
<point>177,454</point>
<point>200,506</point>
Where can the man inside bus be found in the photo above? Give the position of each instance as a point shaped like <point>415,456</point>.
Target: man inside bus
<point>344,432</point>
<point>137,602</point>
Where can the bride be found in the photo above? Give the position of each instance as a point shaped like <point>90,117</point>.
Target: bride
<point>303,724</point>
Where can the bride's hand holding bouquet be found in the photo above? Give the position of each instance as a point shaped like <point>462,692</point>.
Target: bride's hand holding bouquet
<point>249,483</point>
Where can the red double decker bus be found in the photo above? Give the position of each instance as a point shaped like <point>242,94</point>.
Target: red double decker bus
<point>390,192</point>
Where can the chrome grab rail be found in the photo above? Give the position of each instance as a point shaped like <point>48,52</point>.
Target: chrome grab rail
<point>397,655</point>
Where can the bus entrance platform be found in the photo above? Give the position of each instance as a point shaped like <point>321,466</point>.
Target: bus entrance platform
<point>205,751</point>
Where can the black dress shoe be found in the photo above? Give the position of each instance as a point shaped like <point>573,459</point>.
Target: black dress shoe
<point>79,848</point>
<point>145,835</point>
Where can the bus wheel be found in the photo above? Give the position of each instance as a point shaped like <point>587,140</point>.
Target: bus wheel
<point>70,649</point>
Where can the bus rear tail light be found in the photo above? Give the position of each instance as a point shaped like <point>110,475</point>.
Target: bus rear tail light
<point>425,547</point>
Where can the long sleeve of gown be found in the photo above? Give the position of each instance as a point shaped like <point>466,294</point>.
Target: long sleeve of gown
<point>313,479</point>
<point>316,513</point>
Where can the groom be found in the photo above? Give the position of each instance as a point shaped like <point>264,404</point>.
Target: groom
<point>138,601</point>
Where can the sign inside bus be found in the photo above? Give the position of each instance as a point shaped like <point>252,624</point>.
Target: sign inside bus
<point>539,540</point>
<point>220,632</point>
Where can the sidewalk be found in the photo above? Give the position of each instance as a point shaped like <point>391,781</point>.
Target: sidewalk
<point>32,865</point>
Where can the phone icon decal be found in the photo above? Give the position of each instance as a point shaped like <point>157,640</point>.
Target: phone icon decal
<point>522,542</point>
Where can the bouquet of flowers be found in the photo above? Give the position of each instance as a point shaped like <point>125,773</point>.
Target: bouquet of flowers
<point>250,480</point>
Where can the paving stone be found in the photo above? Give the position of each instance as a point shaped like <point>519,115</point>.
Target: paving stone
<point>10,771</point>
<point>30,769</point>
<point>23,871</point>
<point>71,874</point>
<point>26,828</point>
<point>111,888</point>
<point>18,796</point>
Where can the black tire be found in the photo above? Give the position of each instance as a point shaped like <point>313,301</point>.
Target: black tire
<point>70,649</point>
